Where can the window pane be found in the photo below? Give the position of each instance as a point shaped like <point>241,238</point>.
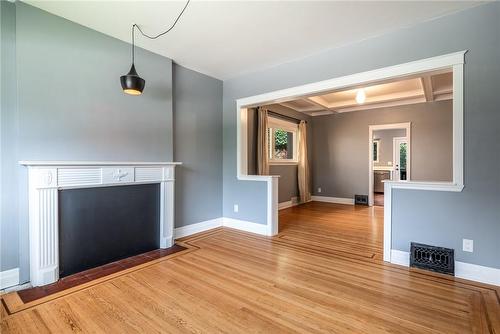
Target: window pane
<point>283,144</point>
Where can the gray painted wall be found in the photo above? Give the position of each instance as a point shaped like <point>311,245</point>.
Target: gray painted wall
<point>198,144</point>
<point>9,241</point>
<point>288,185</point>
<point>386,145</point>
<point>340,146</point>
<point>71,107</point>
<point>448,217</point>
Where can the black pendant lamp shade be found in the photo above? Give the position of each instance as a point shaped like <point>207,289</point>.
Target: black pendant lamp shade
<point>132,83</point>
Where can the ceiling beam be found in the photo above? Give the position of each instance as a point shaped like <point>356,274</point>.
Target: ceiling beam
<point>427,88</point>
<point>293,107</point>
<point>318,101</point>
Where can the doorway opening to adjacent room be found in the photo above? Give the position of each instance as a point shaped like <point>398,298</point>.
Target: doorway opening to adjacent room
<point>451,64</point>
<point>389,158</point>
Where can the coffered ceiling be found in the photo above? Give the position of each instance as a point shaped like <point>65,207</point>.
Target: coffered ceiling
<point>428,87</point>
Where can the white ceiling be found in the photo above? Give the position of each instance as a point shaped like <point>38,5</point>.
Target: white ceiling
<point>227,38</point>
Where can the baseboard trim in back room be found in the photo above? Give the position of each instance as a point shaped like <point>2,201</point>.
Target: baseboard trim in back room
<point>206,225</point>
<point>337,200</point>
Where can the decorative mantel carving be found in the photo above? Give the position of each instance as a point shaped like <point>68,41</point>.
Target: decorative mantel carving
<point>47,177</point>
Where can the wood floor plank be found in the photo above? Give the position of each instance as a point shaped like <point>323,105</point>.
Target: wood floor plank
<point>323,273</point>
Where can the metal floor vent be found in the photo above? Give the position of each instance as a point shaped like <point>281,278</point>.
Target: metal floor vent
<point>361,199</point>
<point>438,259</point>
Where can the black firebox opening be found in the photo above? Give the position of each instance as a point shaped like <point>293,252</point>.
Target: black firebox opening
<point>102,225</point>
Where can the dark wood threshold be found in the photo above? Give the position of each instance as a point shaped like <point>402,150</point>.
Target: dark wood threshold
<point>32,294</point>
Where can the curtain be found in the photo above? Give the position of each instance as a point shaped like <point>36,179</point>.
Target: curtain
<point>303,165</point>
<point>262,145</point>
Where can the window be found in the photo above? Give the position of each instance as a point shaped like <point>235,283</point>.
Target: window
<point>282,141</point>
<point>376,146</point>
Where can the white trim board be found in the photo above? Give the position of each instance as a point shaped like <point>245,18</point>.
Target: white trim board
<point>463,270</point>
<point>246,226</point>
<point>191,229</point>
<point>286,205</point>
<point>206,225</point>
<point>337,200</point>
<point>454,60</point>
<point>9,278</point>
<point>294,201</point>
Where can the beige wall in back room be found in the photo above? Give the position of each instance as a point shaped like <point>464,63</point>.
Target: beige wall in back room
<point>287,184</point>
<point>340,146</point>
<point>385,138</point>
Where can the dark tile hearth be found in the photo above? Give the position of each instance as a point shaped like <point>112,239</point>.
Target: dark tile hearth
<point>31,294</point>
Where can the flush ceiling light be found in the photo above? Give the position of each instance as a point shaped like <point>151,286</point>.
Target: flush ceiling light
<point>360,96</point>
<point>131,82</point>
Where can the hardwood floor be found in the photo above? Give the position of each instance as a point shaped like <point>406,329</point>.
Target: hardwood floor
<point>378,199</point>
<point>322,274</point>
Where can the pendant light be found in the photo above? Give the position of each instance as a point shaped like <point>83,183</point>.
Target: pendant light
<point>131,82</point>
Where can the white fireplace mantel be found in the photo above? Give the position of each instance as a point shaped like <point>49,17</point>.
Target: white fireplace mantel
<point>47,177</point>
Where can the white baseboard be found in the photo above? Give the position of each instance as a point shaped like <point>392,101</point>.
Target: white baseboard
<point>9,278</point>
<point>185,231</point>
<point>463,270</point>
<point>477,273</point>
<point>294,201</point>
<point>400,257</point>
<point>338,200</point>
<point>238,224</point>
<point>245,226</point>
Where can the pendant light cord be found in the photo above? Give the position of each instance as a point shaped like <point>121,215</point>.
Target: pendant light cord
<point>168,30</point>
<point>154,37</point>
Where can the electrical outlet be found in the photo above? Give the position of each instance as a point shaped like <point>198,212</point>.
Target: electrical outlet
<point>468,245</point>
<point>319,190</point>
<point>236,208</point>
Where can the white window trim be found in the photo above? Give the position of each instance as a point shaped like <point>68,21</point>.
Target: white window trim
<point>277,123</point>
<point>455,60</point>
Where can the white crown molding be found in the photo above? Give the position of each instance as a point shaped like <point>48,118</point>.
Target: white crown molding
<point>45,178</point>
<point>463,270</point>
<point>9,278</point>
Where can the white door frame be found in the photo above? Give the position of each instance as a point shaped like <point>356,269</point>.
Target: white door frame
<point>393,126</point>
<point>395,154</point>
<point>454,60</point>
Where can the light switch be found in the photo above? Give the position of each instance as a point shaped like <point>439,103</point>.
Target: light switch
<point>236,208</point>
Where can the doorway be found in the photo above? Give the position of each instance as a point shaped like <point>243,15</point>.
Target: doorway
<point>389,158</point>
<point>400,158</point>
